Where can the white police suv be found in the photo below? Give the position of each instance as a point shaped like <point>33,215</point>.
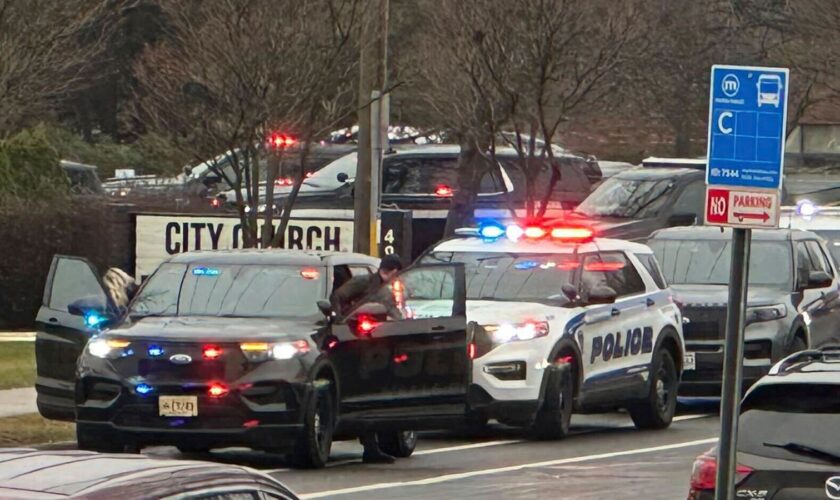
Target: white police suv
<point>562,321</point>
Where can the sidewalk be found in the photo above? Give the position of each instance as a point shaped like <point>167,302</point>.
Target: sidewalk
<point>17,402</point>
<point>17,336</point>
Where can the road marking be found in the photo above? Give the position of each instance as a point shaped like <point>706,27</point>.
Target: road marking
<point>467,447</point>
<point>511,468</point>
<point>681,418</point>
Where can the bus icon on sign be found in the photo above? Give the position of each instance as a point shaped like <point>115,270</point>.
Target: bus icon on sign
<point>769,90</point>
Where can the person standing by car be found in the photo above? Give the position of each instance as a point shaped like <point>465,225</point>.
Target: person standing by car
<point>343,301</point>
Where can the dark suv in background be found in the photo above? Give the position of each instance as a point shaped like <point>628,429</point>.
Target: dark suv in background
<point>793,300</point>
<point>788,445</point>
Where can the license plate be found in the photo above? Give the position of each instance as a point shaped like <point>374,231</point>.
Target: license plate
<point>690,361</point>
<point>178,406</point>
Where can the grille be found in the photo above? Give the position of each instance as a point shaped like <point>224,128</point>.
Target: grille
<point>705,323</point>
<point>163,369</point>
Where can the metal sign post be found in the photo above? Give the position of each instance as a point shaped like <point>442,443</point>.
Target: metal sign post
<point>745,157</point>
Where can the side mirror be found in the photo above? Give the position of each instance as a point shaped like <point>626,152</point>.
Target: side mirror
<point>342,177</point>
<point>326,308</point>
<point>682,220</point>
<point>570,291</point>
<point>602,295</point>
<point>819,279</point>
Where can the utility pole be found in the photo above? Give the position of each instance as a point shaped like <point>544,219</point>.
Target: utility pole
<point>373,67</point>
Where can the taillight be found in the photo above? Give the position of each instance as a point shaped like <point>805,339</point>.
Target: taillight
<point>471,350</point>
<point>215,203</point>
<point>704,470</point>
<point>217,390</point>
<point>443,191</point>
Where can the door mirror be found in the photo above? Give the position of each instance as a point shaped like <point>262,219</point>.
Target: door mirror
<point>342,177</point>
<point>602,295</point>
<point>326,308</point>
<point>819,279</point>
<point>682,220</point>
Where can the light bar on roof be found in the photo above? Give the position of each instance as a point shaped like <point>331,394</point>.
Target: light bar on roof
<point>491,231</point>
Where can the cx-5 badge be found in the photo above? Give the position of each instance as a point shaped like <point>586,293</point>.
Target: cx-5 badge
<point>832,487</point>
<point>180,359</point>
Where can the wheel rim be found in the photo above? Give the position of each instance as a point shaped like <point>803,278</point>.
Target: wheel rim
<point>409,437</point>
<point>320,424</point>
<point>663,390</point>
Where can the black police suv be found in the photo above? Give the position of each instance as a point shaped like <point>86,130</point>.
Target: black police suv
<point>241,348</point>
<point>27,473</point>
<point>793,298</point>
<point>788,446</point>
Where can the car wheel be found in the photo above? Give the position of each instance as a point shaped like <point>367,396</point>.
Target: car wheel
<point>657,410</point>
<point>313,444</point>
<point>398,444</point>
<point>92,439</point>
<point>555,415</point>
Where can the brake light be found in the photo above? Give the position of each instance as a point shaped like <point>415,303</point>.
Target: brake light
<point>443,191</point>
<point>215,203</point>
<point>366,325</point>
<point>704,470</point>
<point>217,390</point>
<point>211,352</point>
<point>471,350</point>
<point>283,181</point>
<point>604,266</point>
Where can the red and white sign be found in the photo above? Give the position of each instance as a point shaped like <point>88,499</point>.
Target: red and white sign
<point>742,208</point>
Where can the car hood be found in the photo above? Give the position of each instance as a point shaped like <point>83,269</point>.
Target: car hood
<point>492,312</point>
<point>718,295</point>
<point>202,328</point>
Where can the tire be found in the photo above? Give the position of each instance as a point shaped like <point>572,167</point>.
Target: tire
<point>555,415</point>
<point>398,444</point>
<point>313,444</point>
<point>87,438</point>
<point>656,411</point>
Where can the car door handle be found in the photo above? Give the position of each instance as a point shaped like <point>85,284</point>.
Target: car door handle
<point>438,328</point>
<point>615,312</point>
<point>53,320</point>
<point>650,302</point>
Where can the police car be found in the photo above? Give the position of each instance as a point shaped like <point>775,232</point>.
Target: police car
<point>562,321</point>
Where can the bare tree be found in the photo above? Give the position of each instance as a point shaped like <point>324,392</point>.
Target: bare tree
<point>528,66</point>
<point>45,47</point>
<point>232,72</point>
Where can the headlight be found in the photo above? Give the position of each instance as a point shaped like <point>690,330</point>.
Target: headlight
<point>261,351</point>
<point>109,348</point>
<point>508,332</point>
<point>758,314</point>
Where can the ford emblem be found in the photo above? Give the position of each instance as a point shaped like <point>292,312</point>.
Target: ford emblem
<point>180,359</point>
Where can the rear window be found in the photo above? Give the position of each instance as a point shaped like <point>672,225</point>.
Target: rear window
<point>515,277</point>
<point>573,177</point>
<point>798,415</point>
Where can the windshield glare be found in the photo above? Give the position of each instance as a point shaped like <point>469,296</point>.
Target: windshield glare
<point>706,262</point>
<point>247,291</point>
<point>513,277</point>
<point>625,198</point>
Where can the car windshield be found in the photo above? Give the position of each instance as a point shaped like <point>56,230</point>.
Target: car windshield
<point>790,422</point>
<point>513,277</point>
<point>706,262</point>
<point>248,291</point>
<point>626,198</point>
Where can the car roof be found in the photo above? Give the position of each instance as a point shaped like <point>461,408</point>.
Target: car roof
<point>658,173</point>
<point>717,233</point>
<point>503,245</point>
<point>74,472</point>
<point>315,258</point>
<point>72,165</point>
<point>655,161</point>
<point>455,149</point>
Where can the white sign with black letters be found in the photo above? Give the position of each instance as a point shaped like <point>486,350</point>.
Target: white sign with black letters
<point>159,236</point>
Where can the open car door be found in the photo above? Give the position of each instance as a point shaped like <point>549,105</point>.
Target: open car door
<point>403,353</point>
<point>61,336</point>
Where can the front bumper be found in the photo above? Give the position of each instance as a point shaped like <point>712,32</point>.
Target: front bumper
<point>705,380</point>
<point>261,416</point>
<point>532,353</point>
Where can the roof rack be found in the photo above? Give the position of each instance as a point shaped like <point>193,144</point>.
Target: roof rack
<point>696,163</point>
<point>828,353</point>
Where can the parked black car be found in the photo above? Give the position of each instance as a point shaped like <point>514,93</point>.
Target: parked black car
<point>793,300</point>
<point>233,348</point>
<point>28,473</point>
<point>787,445</point>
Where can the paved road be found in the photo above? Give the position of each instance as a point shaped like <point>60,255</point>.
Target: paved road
<point>604,458</point>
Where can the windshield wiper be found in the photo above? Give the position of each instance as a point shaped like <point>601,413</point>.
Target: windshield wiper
<point>804,449</point>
